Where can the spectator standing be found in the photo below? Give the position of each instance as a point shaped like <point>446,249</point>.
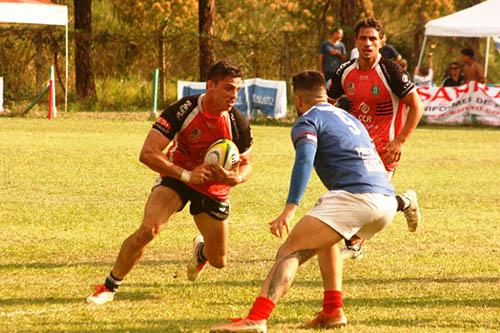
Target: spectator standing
<point>423,75</point>
<point>455,76</point>
<point>388,51</point>
<point>471,69</point>
<point>332,53</point>
<point>354,53</point>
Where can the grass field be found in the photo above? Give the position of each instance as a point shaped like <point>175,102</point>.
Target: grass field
<point>72,189</point>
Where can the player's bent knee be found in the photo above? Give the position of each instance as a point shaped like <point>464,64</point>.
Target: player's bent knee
<point>146,234</point>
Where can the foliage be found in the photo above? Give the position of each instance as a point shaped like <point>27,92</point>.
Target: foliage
<point>72,189</point>
<point>250,33</point>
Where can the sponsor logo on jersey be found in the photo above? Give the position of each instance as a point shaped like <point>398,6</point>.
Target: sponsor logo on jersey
<point>364,77</point>
<point>405,78</point>
<point>350,88</point>
<point>183,109</point>
<point>195,135</point>
<point>375,90</point>
<point>363,107</point>
<point>164,123</point>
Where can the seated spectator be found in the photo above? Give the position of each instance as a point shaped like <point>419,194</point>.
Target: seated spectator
<point>423,75</point>
<point>455,76</point>
<point>471,69</point>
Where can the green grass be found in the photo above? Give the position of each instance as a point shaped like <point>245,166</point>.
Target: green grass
<point>72,189</point>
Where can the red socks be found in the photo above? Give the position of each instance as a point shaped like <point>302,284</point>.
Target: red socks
<point>332,299</point>
<point>261,309</point>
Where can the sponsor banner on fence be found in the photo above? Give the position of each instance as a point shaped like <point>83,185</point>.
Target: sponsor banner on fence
<point>468,104</point>
<point>256,95</point>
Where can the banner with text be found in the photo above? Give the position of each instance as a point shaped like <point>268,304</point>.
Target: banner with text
<point>472,103</point>
<point>256,95</point>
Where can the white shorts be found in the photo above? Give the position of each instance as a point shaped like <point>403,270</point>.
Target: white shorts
<point>362,214</point>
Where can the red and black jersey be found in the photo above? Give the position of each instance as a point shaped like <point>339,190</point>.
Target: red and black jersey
<point>192,130</point>
<point>375,98</point>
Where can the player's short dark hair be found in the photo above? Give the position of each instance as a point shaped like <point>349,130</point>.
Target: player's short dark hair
<point>369,22</point>
<point>337,29</point>
<point>454,64</point>
<point>308,80</point>
<point>468,52</point>
<point>222,69</point>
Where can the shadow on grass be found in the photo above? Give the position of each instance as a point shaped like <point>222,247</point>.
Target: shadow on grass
<point>126,296</point>
<point>52,265</point>
<point>455,279</point>
<point>406,302</point>
<point>161,325</point>
<point>425,325</point>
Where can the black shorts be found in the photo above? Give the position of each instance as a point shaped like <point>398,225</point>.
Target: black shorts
<point>219,210</point>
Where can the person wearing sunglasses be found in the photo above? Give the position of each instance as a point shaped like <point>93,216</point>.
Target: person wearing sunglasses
<point>455,76</point>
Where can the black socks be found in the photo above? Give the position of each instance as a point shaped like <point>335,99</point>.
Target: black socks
<point>112,283</point>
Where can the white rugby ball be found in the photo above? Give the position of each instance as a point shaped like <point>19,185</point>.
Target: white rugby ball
<point>223,152</point>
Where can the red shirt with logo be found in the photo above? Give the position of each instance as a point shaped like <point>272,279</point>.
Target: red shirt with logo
<point>192,130</point>
<point>375,98</point>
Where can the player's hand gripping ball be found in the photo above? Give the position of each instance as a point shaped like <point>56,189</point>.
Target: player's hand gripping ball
<point>224,153</point>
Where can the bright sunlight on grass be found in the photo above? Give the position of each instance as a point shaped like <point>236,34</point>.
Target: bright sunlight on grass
<point>72,190</point>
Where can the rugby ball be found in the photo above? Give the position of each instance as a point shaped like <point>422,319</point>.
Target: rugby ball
<point>224,153</point>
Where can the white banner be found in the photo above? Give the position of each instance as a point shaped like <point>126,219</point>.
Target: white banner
<point>256,95</point>
<point>1,94</point>
<point>468,104</point>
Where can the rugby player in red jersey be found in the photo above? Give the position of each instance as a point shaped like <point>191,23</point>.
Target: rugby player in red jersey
<point>186,129</point>
<point>379,91</point>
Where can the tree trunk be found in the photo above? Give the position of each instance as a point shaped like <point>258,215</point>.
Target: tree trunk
<point>206,18</point>
<point>351,12</point>
<point>40,74</point>
<point>84,77</point>
<point>161,65</point>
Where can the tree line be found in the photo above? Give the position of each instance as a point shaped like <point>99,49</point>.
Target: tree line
<point>124,40</point>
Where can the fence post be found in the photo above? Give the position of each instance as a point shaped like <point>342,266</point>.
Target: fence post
<point>287,63</point>
<point>154,107</point>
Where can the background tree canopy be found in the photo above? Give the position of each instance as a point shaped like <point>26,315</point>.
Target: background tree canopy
<point>266,38</point>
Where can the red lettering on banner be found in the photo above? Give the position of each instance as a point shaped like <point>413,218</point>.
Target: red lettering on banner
<point>480,86</point>
<point>458,90</point>
<point>424,93</point>
<point>498,94</point>
<point>441,93</point>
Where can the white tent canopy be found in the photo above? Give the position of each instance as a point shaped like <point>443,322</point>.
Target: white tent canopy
<point>481,20</point>
<point>37,12</point>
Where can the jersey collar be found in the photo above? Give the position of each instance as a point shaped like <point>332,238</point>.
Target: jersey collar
<point>379,56</point>
<point>205,113</point>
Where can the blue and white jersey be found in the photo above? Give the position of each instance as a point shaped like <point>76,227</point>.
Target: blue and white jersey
<point>345,157</point>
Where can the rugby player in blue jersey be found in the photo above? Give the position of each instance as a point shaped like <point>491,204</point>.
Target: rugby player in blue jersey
<point>360,201</point>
